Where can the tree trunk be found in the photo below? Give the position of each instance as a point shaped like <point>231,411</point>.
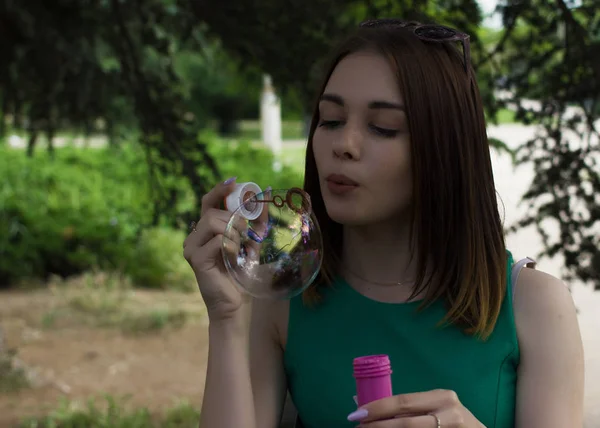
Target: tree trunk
<point>31,143</point>
<point>3,117</point>
<point>87,134</point>
<point>110,133</point>
<point>50,135</point>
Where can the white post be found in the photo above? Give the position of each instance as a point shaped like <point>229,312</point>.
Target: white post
<point>270,119</point>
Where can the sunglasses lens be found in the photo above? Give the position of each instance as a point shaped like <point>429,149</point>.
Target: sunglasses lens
<point>433,32</point>
<point>372,23</point>
<point>385,22</point>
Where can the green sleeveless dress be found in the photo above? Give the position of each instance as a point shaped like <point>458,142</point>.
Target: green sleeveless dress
<point>323,341</point>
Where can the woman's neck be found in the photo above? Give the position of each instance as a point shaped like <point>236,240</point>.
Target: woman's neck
<point>379,253</point>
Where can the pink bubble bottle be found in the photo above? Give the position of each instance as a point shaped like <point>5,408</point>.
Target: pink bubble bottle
<point>373,378</point>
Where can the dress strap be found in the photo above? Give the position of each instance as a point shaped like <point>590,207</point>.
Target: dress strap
<point>516,271</point>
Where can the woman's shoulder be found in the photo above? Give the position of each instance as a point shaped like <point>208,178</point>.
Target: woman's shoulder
<point>537,291</point>
<point>544,310</point>
<point>551,363</point>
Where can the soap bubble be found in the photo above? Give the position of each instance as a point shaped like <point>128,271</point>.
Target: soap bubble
<point>278,255</point>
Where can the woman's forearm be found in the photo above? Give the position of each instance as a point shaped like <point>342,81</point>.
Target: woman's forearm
<point>228,400</point>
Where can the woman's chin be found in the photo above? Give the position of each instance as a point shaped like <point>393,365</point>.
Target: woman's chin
<point>360,215</point>
<point>347,217</point>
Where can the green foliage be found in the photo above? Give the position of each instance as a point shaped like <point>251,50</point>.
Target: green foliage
<point>12,377</point>
<point>84,209</point>
<point>156,260</point>
<point>551,56</point>
<point>308,27</point>
<point>216,87</point>
<point>72,66</point>
<point>94,209</point>
<point>252,163</point>
<point>312,27</point>
<point>113,414</point>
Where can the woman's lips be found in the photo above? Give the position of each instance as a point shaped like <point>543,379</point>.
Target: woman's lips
<point>340,184</point>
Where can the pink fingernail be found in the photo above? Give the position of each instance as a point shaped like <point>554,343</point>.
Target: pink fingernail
<point>358,415</point>
<point>229,181</point>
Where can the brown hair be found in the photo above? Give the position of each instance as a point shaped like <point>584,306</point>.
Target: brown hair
<point>456,222</point>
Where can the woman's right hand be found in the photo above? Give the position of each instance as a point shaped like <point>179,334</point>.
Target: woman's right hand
<point>202,250</point>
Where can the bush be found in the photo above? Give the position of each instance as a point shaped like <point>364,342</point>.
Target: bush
<point>92,209</point>
<point>82,210</point>
<point>251,163</point>
<point>156,261</point>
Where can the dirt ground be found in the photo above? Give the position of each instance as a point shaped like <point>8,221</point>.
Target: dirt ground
<point>76,343</point>
<point>76,359</point>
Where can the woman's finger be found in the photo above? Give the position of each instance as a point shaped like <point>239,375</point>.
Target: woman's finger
<point>240,226</point>
<point>407,404</point>
<point>207,256</point>
<point>421,421</point>
<point>231,247</point>
<point>217,194</point>
<point>209,237</point>
<point>214,221</point>
<point>206,228</point>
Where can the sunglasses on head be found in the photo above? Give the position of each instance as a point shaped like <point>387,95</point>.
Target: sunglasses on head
<point>427,33</point>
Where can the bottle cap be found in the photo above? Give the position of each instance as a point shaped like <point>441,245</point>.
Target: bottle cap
<point>242,197</point>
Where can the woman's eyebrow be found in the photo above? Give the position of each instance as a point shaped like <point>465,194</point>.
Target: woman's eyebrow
<point>336,99</point>
<point>385,105</point>
<point>333,98</point>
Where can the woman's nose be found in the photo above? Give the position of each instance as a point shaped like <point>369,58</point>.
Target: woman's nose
<point>348,144</point>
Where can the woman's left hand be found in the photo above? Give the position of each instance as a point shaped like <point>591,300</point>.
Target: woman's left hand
<point>432,409</point>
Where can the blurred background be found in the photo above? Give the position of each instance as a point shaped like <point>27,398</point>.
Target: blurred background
<point>116,116</point>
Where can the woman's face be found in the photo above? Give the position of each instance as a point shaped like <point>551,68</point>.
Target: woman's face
<point>362,144</point>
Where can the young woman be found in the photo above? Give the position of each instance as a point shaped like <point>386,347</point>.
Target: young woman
<point>415,265</point>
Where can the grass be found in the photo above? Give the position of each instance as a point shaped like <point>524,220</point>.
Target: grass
<point>109,301</point>
<point>12,377</point>
<point>250,130</point>
<point>153,320</point>
<point>113,412</point>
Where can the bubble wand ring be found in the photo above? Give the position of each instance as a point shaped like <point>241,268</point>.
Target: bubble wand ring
<point>304,208</point>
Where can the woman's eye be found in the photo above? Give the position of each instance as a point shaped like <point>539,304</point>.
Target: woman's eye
<point>330,124</point>
<point>384,132</point>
